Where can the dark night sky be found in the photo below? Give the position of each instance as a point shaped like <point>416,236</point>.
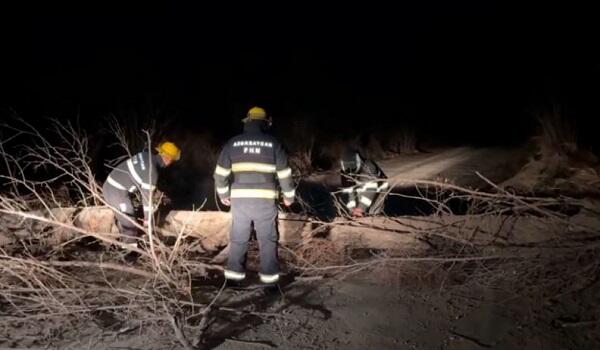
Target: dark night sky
<point>468,71</point>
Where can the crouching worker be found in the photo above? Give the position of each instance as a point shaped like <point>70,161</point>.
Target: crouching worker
<point>137,174</point>
<point>362,182</point>
<point>248,170</point>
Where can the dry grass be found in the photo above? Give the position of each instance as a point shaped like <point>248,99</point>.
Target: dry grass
<point>299,139</point>
<point>405,141</point>
<point>558,133</point>
<point>560,165</point>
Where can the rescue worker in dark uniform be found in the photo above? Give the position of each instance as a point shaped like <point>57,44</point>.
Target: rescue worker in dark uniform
<point>137,174</point>
<point>248,172</point>
<point>362,180</point>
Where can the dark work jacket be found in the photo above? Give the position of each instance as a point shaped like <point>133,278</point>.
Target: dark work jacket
<point>363,183</point>
<point>252,165</point>
<point>137,174</point>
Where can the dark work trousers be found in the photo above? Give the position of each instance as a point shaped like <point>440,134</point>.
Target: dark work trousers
<point>124,213</point>
<point>263,214</point>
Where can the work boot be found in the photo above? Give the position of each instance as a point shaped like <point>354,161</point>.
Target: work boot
<point>233,284</point>
<point>270,289</point>
<point>129,255</point>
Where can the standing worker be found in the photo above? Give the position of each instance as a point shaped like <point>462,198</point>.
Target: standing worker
<point>137,174</point>
<point>246,176</point>
<point>362,181</point>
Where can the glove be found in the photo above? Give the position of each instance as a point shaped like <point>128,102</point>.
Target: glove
<point>166,200</point>
<point>358,212</point>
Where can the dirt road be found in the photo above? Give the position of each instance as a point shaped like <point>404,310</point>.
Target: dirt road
<point>362,313</point>
<point>458,165</point>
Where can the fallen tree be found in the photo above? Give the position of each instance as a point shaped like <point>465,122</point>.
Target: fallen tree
<point>209,231</point>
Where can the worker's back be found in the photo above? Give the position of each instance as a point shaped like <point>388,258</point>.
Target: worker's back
<point>253,160</point>
<point>256,160</point>
<point>356,170</point>
<point>137,172</point>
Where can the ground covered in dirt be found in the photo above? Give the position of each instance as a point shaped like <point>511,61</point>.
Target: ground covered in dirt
<point>360,313</point>
<point>377,309</point>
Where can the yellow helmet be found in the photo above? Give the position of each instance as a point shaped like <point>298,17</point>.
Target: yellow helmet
<point>255,113</point>
<point>169,149</point>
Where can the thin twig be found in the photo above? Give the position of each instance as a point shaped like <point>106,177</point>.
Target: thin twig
<point>178,332</point>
